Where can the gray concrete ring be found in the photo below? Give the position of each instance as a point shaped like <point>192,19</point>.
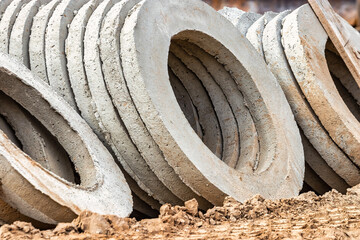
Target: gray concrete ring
<point>149,85</point>
<point>103,188</point>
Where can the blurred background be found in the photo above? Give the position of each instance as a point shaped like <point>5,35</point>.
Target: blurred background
<point>348,9</point>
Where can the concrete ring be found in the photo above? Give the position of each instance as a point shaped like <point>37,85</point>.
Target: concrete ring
<point>142,39</point>
<point>103,188</point>
<point>304,36</point>
<point>305,117</point>
<point>74,46</point>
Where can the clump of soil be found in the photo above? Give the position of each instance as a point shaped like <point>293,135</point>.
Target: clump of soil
<point>331,216</point>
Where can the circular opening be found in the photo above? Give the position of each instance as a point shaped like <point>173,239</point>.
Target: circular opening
<point>34,102</point>
<point>343,80</point>
<point>202,101</point>
<point>34,139</point>
<point>213,104</point>
<point>9,131</point>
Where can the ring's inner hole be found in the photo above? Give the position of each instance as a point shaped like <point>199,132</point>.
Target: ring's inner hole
<point>9,132</point>
<point>203,100</point>
<point>343,80</point>
<point>55,158</point>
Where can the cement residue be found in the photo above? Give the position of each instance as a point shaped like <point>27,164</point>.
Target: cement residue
<point>331,216</point>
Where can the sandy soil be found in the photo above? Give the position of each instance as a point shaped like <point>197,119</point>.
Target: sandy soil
<point>331,216</point>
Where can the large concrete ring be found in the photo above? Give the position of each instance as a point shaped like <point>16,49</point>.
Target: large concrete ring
<point>147,34</point>
<point>40,194</point>
<point>304,43</point>
<point>329,152</point>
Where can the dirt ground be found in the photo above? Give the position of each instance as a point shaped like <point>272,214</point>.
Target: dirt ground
<point>331,216</point>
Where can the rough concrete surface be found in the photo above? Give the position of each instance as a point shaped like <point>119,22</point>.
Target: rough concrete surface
<point>9,132</point>
<point>207,117</point>
<point>321,168</point>
<point>341,76</point>
<point>7,22</point>
<point>37,40</point>
<point>344,36</point>
<point>338,67</point>
<point>3,5</point>
<point>185,102</point>
<point>314,181</point>
<point>116,85</point>
<point>223,111</point>
<point>20,34</point>
<point>35,140</point>
<point>74,49</point>
<point>77,75</point>
<point>56,33</point>
<point>240,19</point>
<point>111,122</point>
<point>255,32</point>
<point>232,14</point>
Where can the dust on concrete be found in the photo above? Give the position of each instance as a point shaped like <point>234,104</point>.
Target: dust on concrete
<point>330,216</point>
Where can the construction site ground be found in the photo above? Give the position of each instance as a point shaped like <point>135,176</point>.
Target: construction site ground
<point>330,216</point>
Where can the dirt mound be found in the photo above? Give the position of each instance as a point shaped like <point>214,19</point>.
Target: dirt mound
<point>331,216</point>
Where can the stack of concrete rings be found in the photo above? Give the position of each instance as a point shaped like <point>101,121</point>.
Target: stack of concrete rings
<point>172,90</point>
<point>319,88</point>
